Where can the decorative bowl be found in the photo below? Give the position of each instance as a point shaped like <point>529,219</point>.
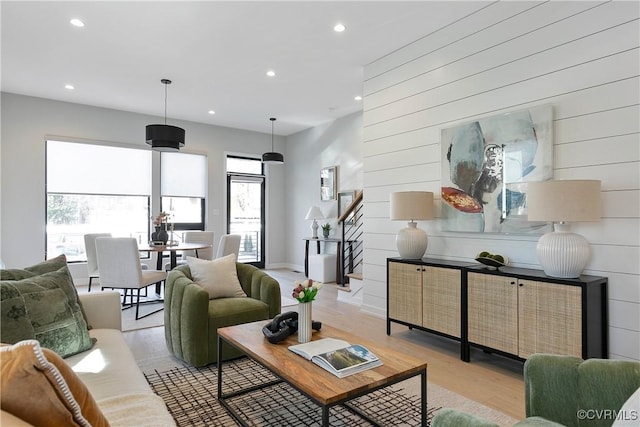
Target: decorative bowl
<point>492,263</point>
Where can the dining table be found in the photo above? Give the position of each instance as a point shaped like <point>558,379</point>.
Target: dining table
<point>173,253</point>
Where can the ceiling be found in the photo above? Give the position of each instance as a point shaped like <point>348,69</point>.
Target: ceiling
<point>216,53</point>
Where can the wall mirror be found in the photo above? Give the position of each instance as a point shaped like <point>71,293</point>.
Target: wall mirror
<point>328,183</point>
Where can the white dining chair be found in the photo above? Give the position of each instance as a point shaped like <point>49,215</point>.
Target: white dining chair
<point>204,237</point>
<point>119,268</point>
<point>92,260</point>
<point>229,244</point>
<point>90,250</point>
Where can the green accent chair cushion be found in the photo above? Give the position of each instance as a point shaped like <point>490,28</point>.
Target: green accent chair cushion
<point>41,303</point>
<point>191,319</point>
<point>566,391</point>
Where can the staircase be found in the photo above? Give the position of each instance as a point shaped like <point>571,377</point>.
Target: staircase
<point>352,251</point>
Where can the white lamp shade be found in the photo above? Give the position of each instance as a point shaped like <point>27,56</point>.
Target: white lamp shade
<point>314,213</point>
<point>411,205</point>
<point>564,201</point>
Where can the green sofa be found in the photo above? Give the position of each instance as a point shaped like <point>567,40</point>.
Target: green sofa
<point>566,391</point>
<point>191,319</point>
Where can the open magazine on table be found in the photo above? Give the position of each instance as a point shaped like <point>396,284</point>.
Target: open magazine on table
<point>337,356</point>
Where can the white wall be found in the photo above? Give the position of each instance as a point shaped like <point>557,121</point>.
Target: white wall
<point>337,143</point>
<point>27,121</point>
<point>581,57</point>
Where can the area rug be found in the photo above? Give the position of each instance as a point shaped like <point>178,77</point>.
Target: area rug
<point>190,395</point>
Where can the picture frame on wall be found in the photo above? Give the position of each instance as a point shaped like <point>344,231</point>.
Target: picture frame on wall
<point>486,165</point>
<point>328,183</point>
<point>345,198</point>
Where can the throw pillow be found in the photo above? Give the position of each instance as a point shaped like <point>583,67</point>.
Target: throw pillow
<point>218,277</point>
<point>53,264</point>
<point>47,266</point>
<point>628,415</point>
<point>43,390</point>
<point>45,308</point>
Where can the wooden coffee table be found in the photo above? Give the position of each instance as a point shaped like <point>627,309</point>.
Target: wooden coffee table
<point>320,386</point>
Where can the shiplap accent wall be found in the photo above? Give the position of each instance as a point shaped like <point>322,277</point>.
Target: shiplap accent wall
<point>580,57</point>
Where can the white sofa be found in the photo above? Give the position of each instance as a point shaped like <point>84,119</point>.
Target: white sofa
<point>110,372</point>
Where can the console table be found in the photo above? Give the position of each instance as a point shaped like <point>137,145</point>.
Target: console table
<point>511,311</point>
<point>427,294</point>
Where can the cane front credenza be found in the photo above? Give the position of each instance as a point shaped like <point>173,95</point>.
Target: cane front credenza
<point>511,311</point>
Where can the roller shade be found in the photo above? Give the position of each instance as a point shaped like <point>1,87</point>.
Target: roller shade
<point>81,168</point>
<point>183,175</point>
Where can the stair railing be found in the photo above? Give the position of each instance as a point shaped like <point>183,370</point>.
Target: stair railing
<point>351,256</point>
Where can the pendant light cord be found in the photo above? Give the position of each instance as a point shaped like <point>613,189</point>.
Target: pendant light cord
<point>165,82</point>
<point>165,103</point>
<point>272,120</point>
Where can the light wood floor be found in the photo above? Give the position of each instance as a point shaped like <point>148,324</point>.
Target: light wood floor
<point>492,380</point>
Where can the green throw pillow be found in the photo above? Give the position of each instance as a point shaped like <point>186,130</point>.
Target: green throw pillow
<point>44,307</point>
<point>48,266</point>
<point>53,264</point>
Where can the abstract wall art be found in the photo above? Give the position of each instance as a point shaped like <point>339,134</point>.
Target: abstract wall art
<point>486,165</point>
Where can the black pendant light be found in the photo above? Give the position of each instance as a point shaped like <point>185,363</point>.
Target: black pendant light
<point>272,157</point>
<point>165,137</point>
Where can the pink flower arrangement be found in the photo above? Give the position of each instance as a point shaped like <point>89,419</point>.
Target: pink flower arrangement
<point>306,291</point>
<point>162,217</point>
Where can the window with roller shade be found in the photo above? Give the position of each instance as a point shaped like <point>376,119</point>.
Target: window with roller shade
<point>95,188</point>
<point>183,189</point>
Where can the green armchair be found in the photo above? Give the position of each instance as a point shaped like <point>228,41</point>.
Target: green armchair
<point>191,319</point>
<point>565,391</point>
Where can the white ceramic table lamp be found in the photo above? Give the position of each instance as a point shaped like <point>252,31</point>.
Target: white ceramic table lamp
<point>561,253</point>
<point>411,241</point>
<point>314,213</point>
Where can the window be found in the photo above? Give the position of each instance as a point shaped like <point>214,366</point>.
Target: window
<point>95,188</point>
<point>183,187</point>
<point>246,207</point>
<point>244,165</point>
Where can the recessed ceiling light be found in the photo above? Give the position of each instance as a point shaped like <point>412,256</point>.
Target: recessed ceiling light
<point>212,112</point>
<point>271,73</point>
<point>76,22</point>
<point>338,28</point>
<point>68,86</point>
<point>357,98</point>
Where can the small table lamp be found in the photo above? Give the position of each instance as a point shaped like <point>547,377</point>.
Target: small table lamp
<point>562,253</point>
<point>411,205</point>
<point>314,214</point>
